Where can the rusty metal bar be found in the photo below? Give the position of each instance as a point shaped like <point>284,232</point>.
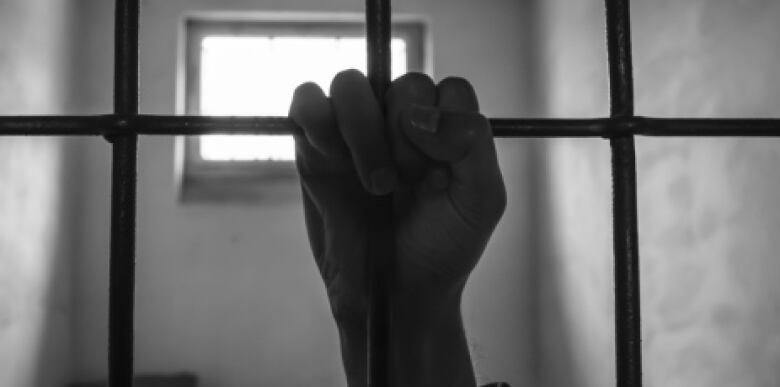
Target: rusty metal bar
<point>621,84</point>
<point>123,190</point>
<point>628,344</point>
<point>381,236</point>
<point>502,127</point>
<point>625,235</point>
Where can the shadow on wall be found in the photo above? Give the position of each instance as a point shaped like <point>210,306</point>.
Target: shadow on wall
<point>36,213</point>
<point>556,356</point>
<point>35,256</point>
<point>55,336</point>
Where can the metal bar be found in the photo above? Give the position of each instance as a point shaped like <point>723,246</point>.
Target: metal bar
<point>711,127</point>
<point>621,86</point>
<point>378,37</point>
<point>502,127</point>
<point>625,235</point>
<point>634,125</point>
<point>381,240</point>
<point>123,190</point>
<point>628,345</point>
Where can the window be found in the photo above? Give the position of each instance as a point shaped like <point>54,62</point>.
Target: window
<point>251,68</point>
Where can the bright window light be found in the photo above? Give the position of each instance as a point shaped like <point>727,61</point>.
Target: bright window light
<point>256,76</point>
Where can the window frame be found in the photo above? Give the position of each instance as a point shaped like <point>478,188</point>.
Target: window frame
<point>202,180</point>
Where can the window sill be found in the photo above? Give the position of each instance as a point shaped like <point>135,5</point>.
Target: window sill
<point>245,187</point>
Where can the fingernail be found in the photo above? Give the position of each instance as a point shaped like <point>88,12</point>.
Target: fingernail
<point>424,118</point>
<point>384,181</point>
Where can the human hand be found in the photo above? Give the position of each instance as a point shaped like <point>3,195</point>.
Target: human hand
<point>435,153</point>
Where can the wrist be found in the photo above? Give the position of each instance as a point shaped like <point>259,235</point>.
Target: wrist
<point>350,318</point>
<point>429,347</point>
<point>349,315</point>
<point>353,335</point>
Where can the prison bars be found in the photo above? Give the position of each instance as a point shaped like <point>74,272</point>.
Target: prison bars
<point>381,236</point>
<point>628,345</point>
<point>123,127</point>
<point>107,125</point>
<point>123,190</point>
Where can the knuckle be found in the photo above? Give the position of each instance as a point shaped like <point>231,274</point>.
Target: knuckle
<point>346,77</point>
<point>350,86</point>
<point>500,200</point>
<point>307,89</point>
<point>350,73</point>
<point>458,92</point>
<point>414,86</point>
<point>493,206</point>
<point>459,83</point>
<point>304,97</point>
<point>477,124</point>
<point>412,79</point>
<point>480,120</point>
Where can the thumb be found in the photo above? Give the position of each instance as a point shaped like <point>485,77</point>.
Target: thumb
<point>464,140</point>
<point>442,135</point>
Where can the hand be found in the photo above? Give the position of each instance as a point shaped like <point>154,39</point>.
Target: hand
<point>435,153</point>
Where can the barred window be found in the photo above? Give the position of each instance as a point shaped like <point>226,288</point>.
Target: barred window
<point>251,68</point>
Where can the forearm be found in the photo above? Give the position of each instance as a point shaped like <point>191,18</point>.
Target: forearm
<point>353,337</point>
<point>429,347</point>
<point>428,344</point>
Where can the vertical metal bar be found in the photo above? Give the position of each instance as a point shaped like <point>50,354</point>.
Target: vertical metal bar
<point>123,190</point>
<point>381,243</point>
<point>621,83</point>
<point>378,35</point>
<point>628,346</point>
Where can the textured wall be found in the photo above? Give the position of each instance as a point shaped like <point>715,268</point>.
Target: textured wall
<point>229,291</point>
<point>34,222</point>
<point>709,219</point>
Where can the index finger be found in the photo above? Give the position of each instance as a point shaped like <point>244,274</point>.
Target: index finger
<point>361,123</point>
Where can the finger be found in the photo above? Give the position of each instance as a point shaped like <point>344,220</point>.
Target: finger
<point>328,177</point>
<point>361,123</point>
<point>315,227</point>
<point>455,93</point>
<point>443,135</point>
<point>478,183</point>
<point>305,121</point>
<point>446,133</point>
<point>311,110</point>
<point>464,141</point>
<point>411,88</point>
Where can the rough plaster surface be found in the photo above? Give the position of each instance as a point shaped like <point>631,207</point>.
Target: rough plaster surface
<point>34,296</point>
<point>34,244</point>
<point>709,219</point>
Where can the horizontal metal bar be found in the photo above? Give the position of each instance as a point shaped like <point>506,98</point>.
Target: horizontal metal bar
<point>642,126</point>
<point>502,127</point>
<point>142,124</point>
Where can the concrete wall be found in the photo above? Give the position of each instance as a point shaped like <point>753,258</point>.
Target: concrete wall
<point>709,220</point>
<point>35,204</point>
<point>229,291</point>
